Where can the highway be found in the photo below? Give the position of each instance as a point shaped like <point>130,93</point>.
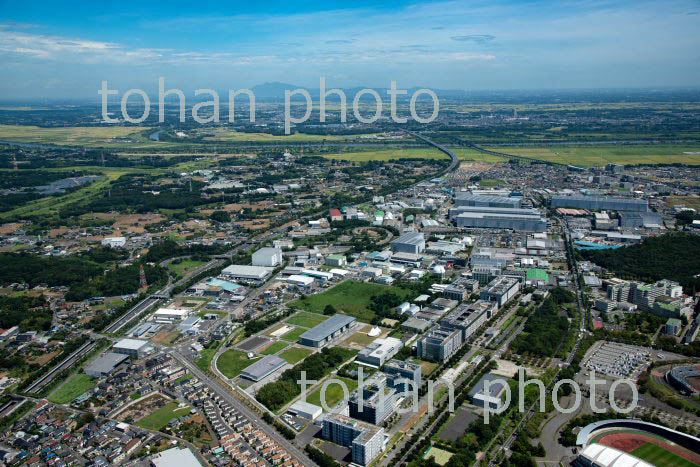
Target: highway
<point>226,395</point>
<point>455,159</point>
<point>126,318</point>
<point>39,384</point>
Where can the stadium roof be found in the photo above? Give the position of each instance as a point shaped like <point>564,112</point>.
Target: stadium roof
<point>605,456</point>
<point>328,327</point>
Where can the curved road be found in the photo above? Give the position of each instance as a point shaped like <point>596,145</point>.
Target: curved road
<point>455,159</point>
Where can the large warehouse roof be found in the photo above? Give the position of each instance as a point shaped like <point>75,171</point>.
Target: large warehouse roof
<point>264,367</point>
<point>328,327</point>
<point>412,238</point>
<point>253,272</point>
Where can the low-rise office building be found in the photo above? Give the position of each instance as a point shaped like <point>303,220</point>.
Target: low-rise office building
<point>379,351</point>
<point>263,368</point>
<point>500,290</point>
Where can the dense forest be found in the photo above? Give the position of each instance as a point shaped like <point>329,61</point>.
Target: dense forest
<point>671,256</point>
<point>546,327</point>
<point>87,275</point>
<point>14,312</point>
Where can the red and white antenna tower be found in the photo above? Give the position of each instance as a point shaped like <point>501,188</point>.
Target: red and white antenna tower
<point>14,161</point>
<point>142,278</point>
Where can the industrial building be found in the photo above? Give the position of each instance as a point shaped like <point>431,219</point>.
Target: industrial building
<point>440,343</point>
<point>635,220</point>
<point>132,348</point>
<point>325,332</point>
<point>410,242</point>
<point>379,351</point>
<point>500,290</point>
<point>398,370</point>
<point>299,280</point>
<point>461,289</point>
<point>263,368</point>
<point>175,457</point>
<point>599,203</point>
<point>251,274</point>
<point>336,260</point>
<point>366,441</point>
<point>523,220</point>
<point>105,364</point>
<point>268,257</point>
<point>170,315</point>
<point>305,410</point>
<point>468,199</point>
<point>480,397</point>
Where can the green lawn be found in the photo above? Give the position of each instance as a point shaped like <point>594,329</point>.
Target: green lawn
<point>75,386</point>
<point>387,154</point>
<point>161,417</point>
<point>232,362</point>
<point>306,319</point>
<point>295,354</point>
<point>334,393</point>
<point>426,367</point>
<point>360,338</point>
<point>351,297</point>
<point>274,348</point>
<point>293,335</point>
<point>657,455</point>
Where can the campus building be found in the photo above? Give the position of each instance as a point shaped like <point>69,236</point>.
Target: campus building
<point>469,317</point>
<point>397,370</point>
<point>374,402</point>
<point>379,351</point>
<point>439,344</point>
<point>480,397</point>
<point>500,290</point>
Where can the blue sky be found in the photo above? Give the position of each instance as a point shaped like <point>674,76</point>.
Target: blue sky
<point>65,51</point>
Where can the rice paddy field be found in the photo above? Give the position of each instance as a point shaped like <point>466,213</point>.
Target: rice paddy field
<point>387,154</point>
<point>600,155</point>
<point>97,136</point>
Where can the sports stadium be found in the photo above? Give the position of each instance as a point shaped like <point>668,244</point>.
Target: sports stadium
<point>634,443</point>
<point>685,379</point>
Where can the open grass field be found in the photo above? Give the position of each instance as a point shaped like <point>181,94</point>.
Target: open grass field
<point>232,362</point>
<point>687,201</point>
<point>102,136</point>
<point>334,393</point>
<point>440,456</point>
<point>359,338</point>
<point>600,155</point>
<point>295,354</point>
<point>427,368</point>
<point>467,154</point>
<point>225,135</point>
<point>183,267</point>
<point>75,386</point>
<point>274,348</point>
<point>306,319</point>
<point>657,455</point>
<point>351,297</point>
<point>161,417</point>
<point>293,335</point>
<point>387,154</point>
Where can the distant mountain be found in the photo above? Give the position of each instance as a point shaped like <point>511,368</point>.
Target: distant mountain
<point>274,89</point>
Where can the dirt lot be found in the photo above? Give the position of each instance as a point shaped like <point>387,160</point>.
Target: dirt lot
<point>143,408</point>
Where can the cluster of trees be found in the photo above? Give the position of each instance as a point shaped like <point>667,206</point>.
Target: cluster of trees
<point>384,306</point>
<point>274,395</point>
<point>671,256</point>
<point>171,249</point>
<point>545,328</point>
<point>115,282</point>
<point>25,311</point>
<point>320,457</point>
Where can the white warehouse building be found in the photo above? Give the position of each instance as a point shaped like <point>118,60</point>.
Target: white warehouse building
<point>268,257</point>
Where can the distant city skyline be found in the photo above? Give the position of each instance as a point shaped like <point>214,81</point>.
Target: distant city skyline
<point>51,52</point>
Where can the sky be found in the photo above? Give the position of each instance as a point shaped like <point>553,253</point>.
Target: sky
<point>51,51</point>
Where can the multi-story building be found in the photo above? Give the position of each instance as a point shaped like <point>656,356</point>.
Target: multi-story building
<point>374,402</point>
<point>467,318</point>
<point>398,370</point>
<point>500,290</point>
<point>461,289</point>
<point>440,343</point>
<point>366,441</point>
